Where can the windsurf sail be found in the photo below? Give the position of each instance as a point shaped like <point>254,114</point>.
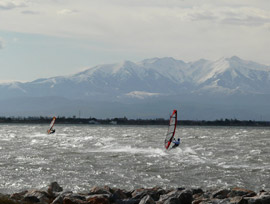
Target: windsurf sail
<point>171,129</point>
<point>51,125</point>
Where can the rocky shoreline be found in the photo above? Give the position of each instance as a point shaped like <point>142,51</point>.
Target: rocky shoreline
<point>157,195</point>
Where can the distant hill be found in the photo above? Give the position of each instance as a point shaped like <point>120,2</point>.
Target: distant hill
<point>226,88</point>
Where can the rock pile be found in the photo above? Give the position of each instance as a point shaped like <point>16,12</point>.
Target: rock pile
<point>157,195</point>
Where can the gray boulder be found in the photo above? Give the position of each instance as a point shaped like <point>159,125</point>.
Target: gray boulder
<point>53,188</point>
<point>60,197</point>
<point>99,190</point>
<point>221,194</point>
<point>260,199</point>
<point>153,192</point>
<point>128,201</point>
<point>18,196</point>
<point>72,200</point>
<point>177,197</point>
<point>36,196</point>
<point>147,200</point>
<point>241,192</point>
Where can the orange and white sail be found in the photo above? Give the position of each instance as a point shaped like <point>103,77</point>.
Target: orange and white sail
<point>51,125</point>
<point>171,129</point>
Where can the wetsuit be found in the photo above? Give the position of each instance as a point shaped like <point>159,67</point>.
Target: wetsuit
<point>176,143</point>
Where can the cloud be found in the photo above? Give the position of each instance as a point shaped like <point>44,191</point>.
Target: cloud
<point>66,11</point>
<point>28,12</point>
<point>246,17</point>
<point>141,94</point>
<point>155,27</point>
<point>9,4</point>
<point>246,21</point>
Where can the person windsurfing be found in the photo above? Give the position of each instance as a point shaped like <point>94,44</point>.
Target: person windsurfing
<point>171,129</point>
<point>176,142</point>
<point>51,130</point>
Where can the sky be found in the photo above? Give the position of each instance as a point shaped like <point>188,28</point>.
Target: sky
<point>47,38</point>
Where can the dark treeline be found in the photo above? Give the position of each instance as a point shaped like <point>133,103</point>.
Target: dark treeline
<point>125,121</point>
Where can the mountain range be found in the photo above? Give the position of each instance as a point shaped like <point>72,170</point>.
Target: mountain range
<point>203,89</point>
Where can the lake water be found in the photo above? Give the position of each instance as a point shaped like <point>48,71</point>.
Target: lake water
<point>81,156</point>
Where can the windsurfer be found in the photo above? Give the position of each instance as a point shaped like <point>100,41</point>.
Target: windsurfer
<point>171,129</point>
<point>176,142</point>
<point>52,131</point>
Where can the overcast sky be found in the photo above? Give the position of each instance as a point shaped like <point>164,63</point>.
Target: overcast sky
<point>45,38</point>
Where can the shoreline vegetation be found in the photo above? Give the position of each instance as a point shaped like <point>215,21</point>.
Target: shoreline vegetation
<point>126,121</point>
<point>54,194</point>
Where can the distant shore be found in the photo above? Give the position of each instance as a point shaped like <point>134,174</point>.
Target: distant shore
<point>125,121</point>
<point>54,194</point>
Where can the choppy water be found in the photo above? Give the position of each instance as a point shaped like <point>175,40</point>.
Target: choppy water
<point>81,156</point>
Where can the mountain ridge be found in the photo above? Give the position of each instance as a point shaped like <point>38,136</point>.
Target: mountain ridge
<point>152,81</point>
<point>177,71</point>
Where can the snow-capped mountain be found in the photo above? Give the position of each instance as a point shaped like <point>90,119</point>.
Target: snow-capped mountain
<point>234,74</point>
<point>154,79</point>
